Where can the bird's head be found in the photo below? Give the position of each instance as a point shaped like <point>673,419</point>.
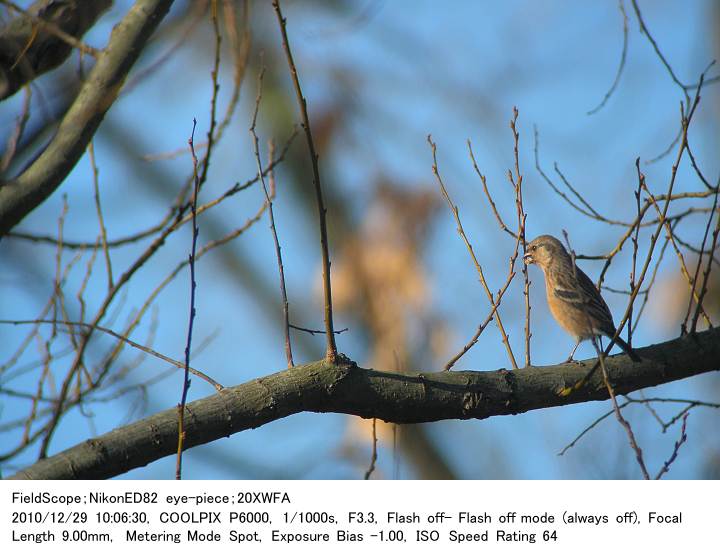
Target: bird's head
<point>542,250</point>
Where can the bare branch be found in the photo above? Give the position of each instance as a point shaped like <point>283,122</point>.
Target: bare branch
<point>708,267</point>
<point>408,397</point>
<point>125,339</point>
<point>517,182</point>
<point>676,449</point>
<point>191,320</point>
<point>618,414</point>
<point>669,234</point>
<point>621,66</point>
<point>628,400</point>
<point>478,266</point>
<point>101,219</point>
<point>373,456</point>
<point>273,229</point>
<point>483,180</point>
<point>42,38</point>
<point>329,334</point>
<point>22,194</point>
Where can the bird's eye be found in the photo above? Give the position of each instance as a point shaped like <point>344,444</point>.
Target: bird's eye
<point>533,248</point>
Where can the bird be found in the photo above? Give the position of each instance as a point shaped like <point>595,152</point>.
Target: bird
<point>574,301</point>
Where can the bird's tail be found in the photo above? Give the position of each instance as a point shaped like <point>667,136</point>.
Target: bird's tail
<point>627,349</point>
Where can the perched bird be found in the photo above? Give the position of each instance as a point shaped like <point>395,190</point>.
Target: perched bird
<point>573,299</point>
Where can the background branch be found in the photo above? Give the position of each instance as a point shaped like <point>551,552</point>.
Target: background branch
<point>22,194</point>
<point>42,37</point>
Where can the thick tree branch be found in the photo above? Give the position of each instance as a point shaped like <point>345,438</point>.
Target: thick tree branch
<point>397,397</point>
<point>42,38</point>
<point>22,194</point>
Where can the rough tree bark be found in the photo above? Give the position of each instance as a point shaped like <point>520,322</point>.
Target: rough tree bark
<point>344,387</point>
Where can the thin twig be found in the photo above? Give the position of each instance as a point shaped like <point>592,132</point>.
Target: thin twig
<point>373,457</point>
<point>468,245</point>
<point>697,170</point>
<point>312,332</point>
<point>686,119</point>
<point>110,332</point>
<point>273,229</point>
<point>701,251</point>
<point>211,138</point>
<point>706,273</point>
<point>98,209</point>
<point>331,350</point>
<point>635,248</point>
<point>646,32</point>
<point>511,271</point>
<point>691,404</point>
<point>16,135</point>
<point>695,249</point>
<point>28,339</point>
<point>207,248</point>
<point>676,449</point>
<point>154,67</point>
<point>241,50</point>
<point>579,197</point>
<point>679,416</point>
<point>517,182</point>
<point>646,292</point>
<point>647,405</point>
<point>499,219</point>
<point>668,230</point>
<point>191,320</point>
<point>618,414</point>
<point>621,66</point>
<point>590,212</point>
<point>449,365</point>
<point>591,426</point>
<point>667,151</point>
<point>80,295</point>
<point>234,190</point>
<point>673,220</point>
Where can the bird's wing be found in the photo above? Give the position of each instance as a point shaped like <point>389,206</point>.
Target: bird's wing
<point>580,291</point>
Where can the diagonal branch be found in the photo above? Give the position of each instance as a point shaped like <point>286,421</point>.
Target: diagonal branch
<point>42,37</point>
<point>392,396</point>
<point>478,267</point>
<point>22,194</point>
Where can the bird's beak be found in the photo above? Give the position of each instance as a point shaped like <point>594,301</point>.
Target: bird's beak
<point>527,258</point>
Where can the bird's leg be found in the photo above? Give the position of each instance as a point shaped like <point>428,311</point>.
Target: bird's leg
<point>570,358</point>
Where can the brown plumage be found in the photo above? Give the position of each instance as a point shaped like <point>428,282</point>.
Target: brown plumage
<point>573,299</point>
